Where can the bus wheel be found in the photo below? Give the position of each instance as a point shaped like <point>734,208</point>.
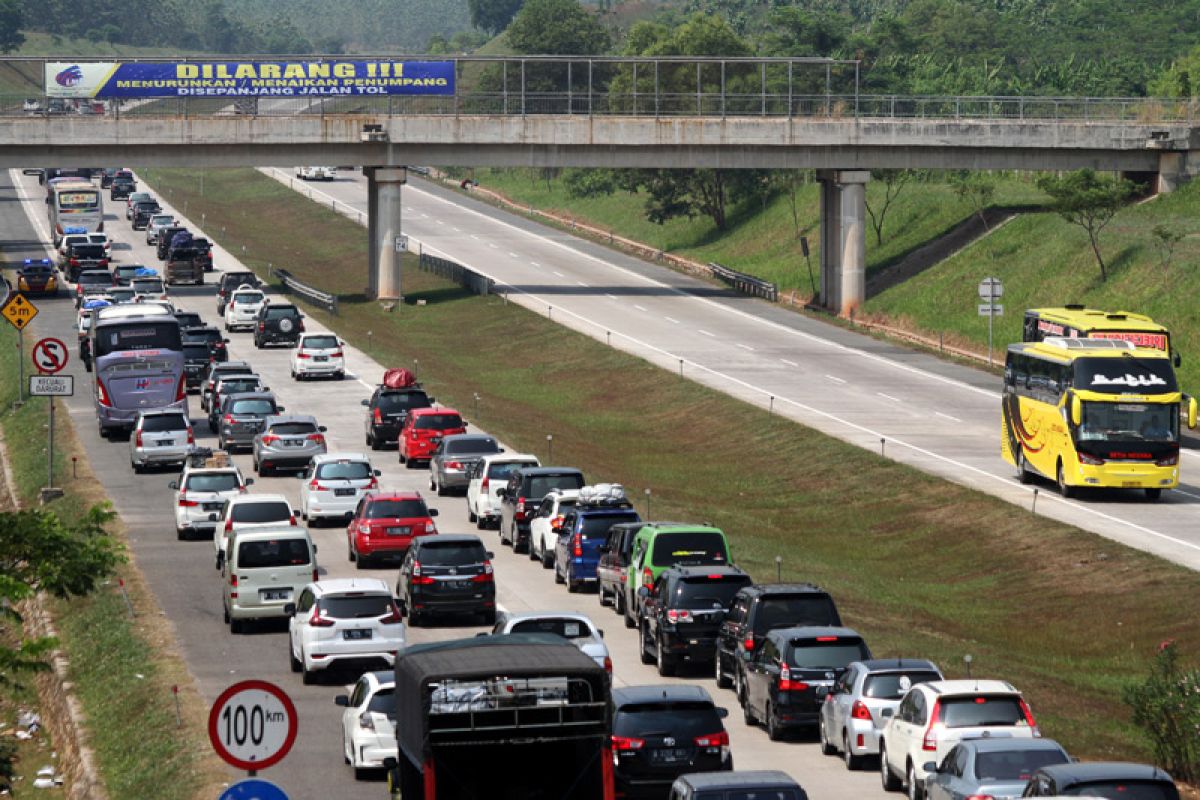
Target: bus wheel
<point>1023,473</point>
<point>1063,488</point>
<point>1153,494</point>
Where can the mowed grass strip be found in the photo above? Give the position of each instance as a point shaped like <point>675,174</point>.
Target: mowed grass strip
<point>921,566</point>
<point>123,669</point>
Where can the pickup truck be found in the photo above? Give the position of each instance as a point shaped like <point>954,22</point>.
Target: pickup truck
<point>469,710</point>
<point>184,265</point>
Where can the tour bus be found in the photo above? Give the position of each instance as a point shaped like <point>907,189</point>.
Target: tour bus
<point>136,355</point>
<point>1092,413</point>
<point>1078,322</point>
<point>74,206</point>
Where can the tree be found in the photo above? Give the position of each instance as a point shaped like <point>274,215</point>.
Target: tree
<point>1165,241</point>
<point>685,193</point>
<point>1088,200</point>
<point>12,19</point>
<point>893,181</point>
<point>557,27</point>
<point>493,16</point>
<point>976,189</point>
<point>1166,706</point>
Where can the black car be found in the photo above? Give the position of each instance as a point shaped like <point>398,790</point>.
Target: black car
<point>388,408</point>
<point>613,567</point>
<point>241,417</point>
<point>204,255</point>
<point>447,574</point>
<point>164,240</point>
<point>121,188</point>
<point>661,732</point>
<point>1102,779</point>
<point>106,177</point>
<point>196,356</point>
<point>212,337</point>
<point>682,612</point>
<point>229,282</point>
<point>91,282</point>
<point>786,681</point>
<point>84,255</point>
<point>524,493</point>
<point>218,370</point>
<point>760,608</point>
<point>142,212</point>
<point>278,323</point>
<point>188,319</point>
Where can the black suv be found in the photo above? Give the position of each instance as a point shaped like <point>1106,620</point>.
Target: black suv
<point>681,614</point>
<point>84,255</point>
<point>142,212</point>
<point>203,248</point>
<point>613,567</point>
<point>278,323</point>
<point>196,357</point>
<point>524,493</point>
<point>121,188</point>
<point>229,282</point>
<point>761,608</point>
<point>210,336</point>
<point>662,732</point>
<point>424,590</point>
<point>388,408</point>
<point>164,240</point>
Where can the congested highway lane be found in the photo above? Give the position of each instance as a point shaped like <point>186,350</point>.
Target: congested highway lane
<point>939,417</point>
<point>182,577</point>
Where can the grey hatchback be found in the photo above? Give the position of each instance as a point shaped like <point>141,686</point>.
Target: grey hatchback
<point>995,767</point>
<point>453,458</point>
<point>287,442</point>
<point>241,418</point>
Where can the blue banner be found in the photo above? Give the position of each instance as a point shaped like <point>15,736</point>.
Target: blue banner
<point>249,78</point>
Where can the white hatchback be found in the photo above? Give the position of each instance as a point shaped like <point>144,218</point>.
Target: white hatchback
<point>549,515</point>
<point>248,512</point>
<point>369,721</point>
<point>242,309</point>
<point>334,483</point>
<point>161,436</point>
<point>576,628</point>
<point>344,622</point>
<point>490,474</point>
<point>319,354</point>
<point>200,492</point>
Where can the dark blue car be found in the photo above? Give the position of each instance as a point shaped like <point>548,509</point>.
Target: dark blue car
<point>583,532</point>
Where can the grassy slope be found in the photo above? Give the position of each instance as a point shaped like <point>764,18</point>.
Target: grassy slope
<point>761,241</point>
<point>120,668</point>
<point>1045,261</point>
<point>921,566</point>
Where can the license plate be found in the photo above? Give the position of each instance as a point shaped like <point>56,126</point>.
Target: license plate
<point>320,358</point>
<point>213,506</point>
<point>364,633</point>
<point>343,492</point>
<point>275,594</point>
<point>293,443</point>
<point>399,531</point>
<point>166,442</point>
<point>669,755</point>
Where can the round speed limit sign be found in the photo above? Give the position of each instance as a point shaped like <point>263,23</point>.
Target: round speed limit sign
<point>252,725</point>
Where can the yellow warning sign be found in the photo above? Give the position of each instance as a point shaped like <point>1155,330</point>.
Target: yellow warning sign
<point>19,311</point>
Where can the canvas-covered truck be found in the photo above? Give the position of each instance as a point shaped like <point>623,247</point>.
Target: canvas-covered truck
<point>507,717</point>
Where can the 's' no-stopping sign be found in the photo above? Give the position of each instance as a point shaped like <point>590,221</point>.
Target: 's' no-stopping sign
<point>252,725</point>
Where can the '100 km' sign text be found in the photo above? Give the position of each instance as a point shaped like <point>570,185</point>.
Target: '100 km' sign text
<point>252,725</point>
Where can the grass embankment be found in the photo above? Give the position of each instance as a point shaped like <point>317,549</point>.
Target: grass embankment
<point>1044,261</point>
<point>761,240</point>
<point>122,669</point>
<point>921,566</point>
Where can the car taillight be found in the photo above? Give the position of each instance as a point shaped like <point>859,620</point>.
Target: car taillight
<point>191,436</point>
<point>138,439</point>
<point>485,483</point>
<point>337,354</point>
<point>980,797</point>
<point>316,573</point>
<point>300,326</point>
<point>233,585</point>
<point>371,484</point>
<point>376,416</point>
<point>102,393</point>
<point>229,525</point>
<point>315,485</point>
<point>74,262</point>
<point>364,529</point>
<point>1029,720</point>
<point>1084,458</point>
<point>303,355</point>
<point>422,580</point>
<point>678,615</point>
<point>453,465</point>
<point>786,684</point>
<point>316,437</point>
<point>262,326</point>
<point>487,575</point>
<point>317,621</point>
<point>557,521</point>
<point>647,577</point>
<point>627,743</point>
<point>859,710</point>
<point>748,643</point>
<point>713,740</point>
<point>929,742</point>
<point>577,545</point>
<point>185,503</point>
<point>270,438</point>
<point>228,419</point>
<point>521,504</point>
<point>1168,460</point>
<point>608,665</point>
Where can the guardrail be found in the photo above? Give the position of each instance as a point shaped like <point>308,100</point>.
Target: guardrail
<point>746,284</point>
<point>453,271</point>
<point>290,284</point>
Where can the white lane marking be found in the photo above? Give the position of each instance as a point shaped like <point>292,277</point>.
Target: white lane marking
<point>581,283</point>
<point>493,245</point>
<point>454,228</point>
<point>789,363</point>
<point>514,255</point>
<point>440,221</point>
<point>610,296</point>
<point>745,347</point>
<point>706,333</point>
<point>474,236</point>
<point>534,263</point>
<point>947,416</point>
<point>556,272</point>
<point>364,383</point>
<point>889,397</point>
<point>836,379</point>
<point>671,320</point>
<point>639,308</point>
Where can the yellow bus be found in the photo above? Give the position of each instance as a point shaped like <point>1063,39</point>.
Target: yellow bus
<point>1078,322</point>
<point>1092,413</point>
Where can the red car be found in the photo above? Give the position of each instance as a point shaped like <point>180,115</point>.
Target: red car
<point>424,428</point>
<point>384,525</point>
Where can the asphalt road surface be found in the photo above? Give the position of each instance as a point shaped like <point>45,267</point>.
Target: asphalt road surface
<point>182,576</point>
<point>937,416</point>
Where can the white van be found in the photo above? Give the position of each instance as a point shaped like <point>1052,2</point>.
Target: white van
<point>264,573</point>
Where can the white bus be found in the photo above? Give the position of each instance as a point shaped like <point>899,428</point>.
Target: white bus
<point>74,206</point>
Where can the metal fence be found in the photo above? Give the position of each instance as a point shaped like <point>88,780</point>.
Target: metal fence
<point>315,296</point>
<point>746,284</point>
<point>618,86</point>
<point>453,271</point>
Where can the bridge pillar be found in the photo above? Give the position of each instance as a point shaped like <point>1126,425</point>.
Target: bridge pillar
<point>384,199</point>
<point>843,239</point>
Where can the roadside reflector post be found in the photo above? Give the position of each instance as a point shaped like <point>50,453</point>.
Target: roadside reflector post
<point>771,406</point>
<point>647,502</point>
<point>178,713</point>
<point>882,446</point>
<point>125,594</point>
<point>779,569</point>
<point>1035,494</point>
<point>549,448</point>
<point>681,367</point>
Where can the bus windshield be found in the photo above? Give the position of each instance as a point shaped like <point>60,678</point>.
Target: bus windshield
<point>78,200</point>
<point>1126,422</point>
<point>140,335</point>
<point>1130,375</point>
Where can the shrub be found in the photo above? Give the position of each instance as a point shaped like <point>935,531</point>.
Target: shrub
<point>1166,705</point>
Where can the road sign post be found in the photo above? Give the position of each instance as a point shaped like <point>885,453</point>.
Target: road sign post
<point>19,312</point>
<point>989,290</point>
<point>49,356</point>
<point>252,725</point>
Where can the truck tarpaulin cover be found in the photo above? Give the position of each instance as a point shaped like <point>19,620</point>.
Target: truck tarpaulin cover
<point>485,658</point>
<point>248,78</point>
<point>398,378</point>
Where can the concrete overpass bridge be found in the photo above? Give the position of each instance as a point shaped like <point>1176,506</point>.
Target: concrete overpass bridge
<point>682,113</point>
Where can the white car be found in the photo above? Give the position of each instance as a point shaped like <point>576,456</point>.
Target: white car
<point>149,290</point>
<point>200,492</point>
<point>576,628</point>
<point>242,309</point>
<point>368,723</point>
<point>334,483</point>
<point>490,474</point>
<point>248,512</point>
<point>83,238</point>
<point>157,223</point>
<point>345,622</point>
<point>160,436</point>
<point>319,354</point>
<point>549,515</point>
<point>935,716</point>
<point>316,173</point>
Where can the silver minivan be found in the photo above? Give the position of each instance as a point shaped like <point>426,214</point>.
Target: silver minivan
<point>287,442</point>
<point>265,572</point>
<point>161,436</point>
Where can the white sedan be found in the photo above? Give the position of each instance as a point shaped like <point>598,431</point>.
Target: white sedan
<point>319,354</point>
<point>368,723</point>
<point>242,309</point>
